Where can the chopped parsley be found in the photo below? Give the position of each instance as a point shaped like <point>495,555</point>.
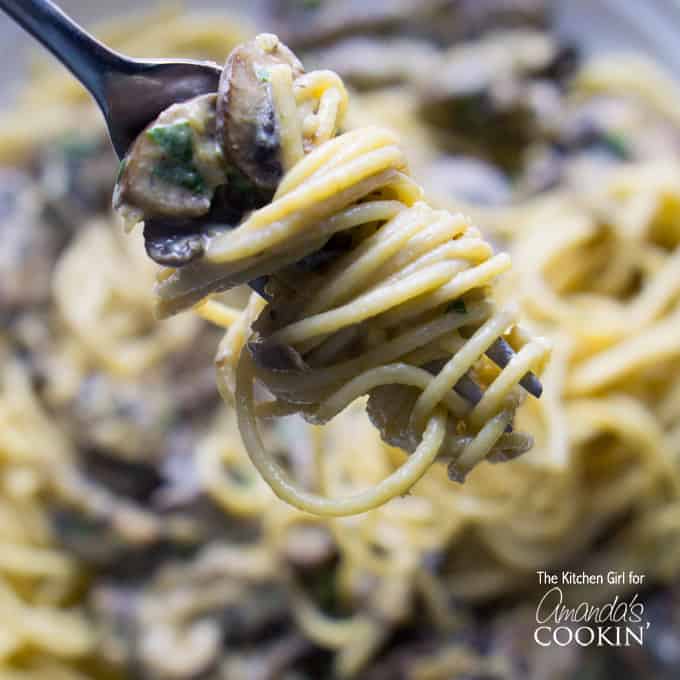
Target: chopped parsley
<point>457,306</point>
<point>175,140</point>
<point>263,74</point>
<point>177,166</point>
<point>616,144</point>
<point>183,176</point>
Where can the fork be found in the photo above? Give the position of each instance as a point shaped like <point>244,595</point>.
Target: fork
<point>130,92</point>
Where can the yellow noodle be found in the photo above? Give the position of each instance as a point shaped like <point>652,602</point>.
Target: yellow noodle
<point>400,278</point>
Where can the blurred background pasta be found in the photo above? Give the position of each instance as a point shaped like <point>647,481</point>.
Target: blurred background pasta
<point>136,539</point>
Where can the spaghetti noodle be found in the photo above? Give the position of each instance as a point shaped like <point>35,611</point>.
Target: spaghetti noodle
<point>408,305</point>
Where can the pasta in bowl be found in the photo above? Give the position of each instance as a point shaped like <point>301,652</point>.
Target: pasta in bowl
<point>137,537</point>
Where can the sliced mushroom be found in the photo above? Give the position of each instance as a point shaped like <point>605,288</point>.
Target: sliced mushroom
<point>174,166</point>
<point>490,96</point>
<point>317,22</point>
<point>247,120</point>
<point>389,408</point>
<point>312,23</point>
<point>127,420</point>
<point>172,244</point>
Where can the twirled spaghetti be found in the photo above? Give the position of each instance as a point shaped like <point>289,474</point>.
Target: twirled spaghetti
<point>406,303</point>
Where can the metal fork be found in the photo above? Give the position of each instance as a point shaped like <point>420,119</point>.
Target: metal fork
<point>130,92</point>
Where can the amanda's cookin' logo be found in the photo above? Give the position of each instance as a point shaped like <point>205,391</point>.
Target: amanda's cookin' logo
<point>617,623</point>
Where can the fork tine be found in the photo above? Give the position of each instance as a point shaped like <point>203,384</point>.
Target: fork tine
<point>467,388</point>
<point>501,353</point>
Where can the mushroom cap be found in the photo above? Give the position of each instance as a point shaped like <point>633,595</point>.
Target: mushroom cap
<point>246,117</point>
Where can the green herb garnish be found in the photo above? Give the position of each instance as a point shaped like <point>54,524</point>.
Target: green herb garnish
<point>183,176</point>
<point>175,140</point>
<point>177,166</point>
<point>457,306</point>
<point>263,74</point>
<point>616,143</point>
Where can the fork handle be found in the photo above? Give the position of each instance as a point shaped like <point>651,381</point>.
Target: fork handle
<point>82,54</point>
